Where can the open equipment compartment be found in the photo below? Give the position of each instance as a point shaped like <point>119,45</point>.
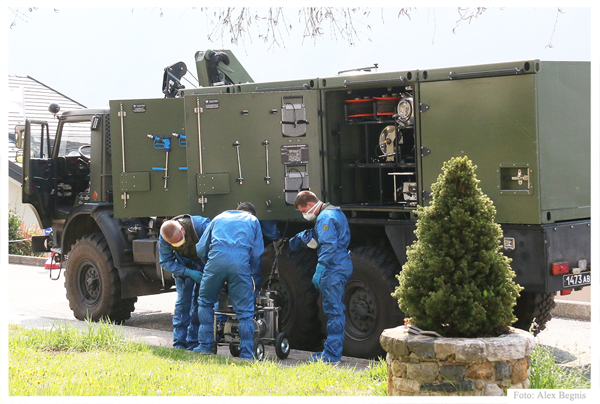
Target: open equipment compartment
<point>371,148</point>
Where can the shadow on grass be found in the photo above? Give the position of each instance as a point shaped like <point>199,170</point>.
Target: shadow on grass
<point>564,360</point>
<point>560,356</point>
<point>186,356</point>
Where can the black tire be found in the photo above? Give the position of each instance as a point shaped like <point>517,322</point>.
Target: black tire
<point>282,346</point>
<point>370,308</point>
<point>92,282</point>
<point>234,350</point>
<point>296,296</point>
<point>534,307</point>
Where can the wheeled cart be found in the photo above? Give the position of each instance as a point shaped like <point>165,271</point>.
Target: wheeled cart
<point>266,327</point>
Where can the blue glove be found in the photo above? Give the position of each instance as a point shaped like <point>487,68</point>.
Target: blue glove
<point>317,276</point>
<point>303,239</point>
<point>295,242</point>
<point>195,275</point>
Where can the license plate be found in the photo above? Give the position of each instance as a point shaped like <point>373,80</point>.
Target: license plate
<point>574,280</point>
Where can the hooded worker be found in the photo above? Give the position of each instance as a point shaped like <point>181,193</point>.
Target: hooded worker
<point>331,237</point>
<point>231,248</point>
<point>177,254</point>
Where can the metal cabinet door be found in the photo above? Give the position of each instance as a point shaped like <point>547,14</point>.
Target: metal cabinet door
<point>491,120</point>
<point>239,149</point>
<point>138,161</point>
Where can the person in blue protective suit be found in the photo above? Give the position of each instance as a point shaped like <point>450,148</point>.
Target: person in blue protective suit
<point>271,234</point>
<point>177,254</point>
<point>231,248</point>
<point>331,237</point>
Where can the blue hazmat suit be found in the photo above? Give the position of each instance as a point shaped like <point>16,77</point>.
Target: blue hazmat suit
<point>334,269</point>
<point>271,233</point>
<point>185,316</point>
<point>231,248</point>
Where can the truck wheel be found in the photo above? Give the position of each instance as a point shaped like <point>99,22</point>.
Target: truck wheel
<point>534,307</point>
<point>296,296</point>
<point>370,308</point>
<point>92,282</point>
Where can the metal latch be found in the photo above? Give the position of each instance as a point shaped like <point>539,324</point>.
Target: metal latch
<point>520,177</point>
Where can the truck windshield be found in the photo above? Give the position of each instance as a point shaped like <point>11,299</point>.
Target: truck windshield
<point>73,136</point>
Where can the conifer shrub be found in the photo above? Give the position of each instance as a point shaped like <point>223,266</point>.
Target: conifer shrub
<point>456,282</point>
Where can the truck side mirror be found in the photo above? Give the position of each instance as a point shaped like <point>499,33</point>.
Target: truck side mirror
<point>19,136</point>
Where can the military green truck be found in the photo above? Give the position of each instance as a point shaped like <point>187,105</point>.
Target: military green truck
<point>371,143</point>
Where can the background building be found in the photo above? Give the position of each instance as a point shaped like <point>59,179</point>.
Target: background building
<point>28,99</point>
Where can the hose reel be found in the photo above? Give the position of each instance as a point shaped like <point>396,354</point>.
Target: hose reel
<point>389,141</point>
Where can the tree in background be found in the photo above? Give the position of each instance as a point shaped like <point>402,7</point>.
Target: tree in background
<point>236,24</point>
<point>455,281</point>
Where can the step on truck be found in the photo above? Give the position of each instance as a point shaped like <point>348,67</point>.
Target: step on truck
<point>369,142</point>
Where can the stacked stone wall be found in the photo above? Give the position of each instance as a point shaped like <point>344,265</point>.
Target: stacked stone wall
<point>422,365</point>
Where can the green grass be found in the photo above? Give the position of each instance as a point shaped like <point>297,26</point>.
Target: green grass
<point>100,362</point>
<point>547,374</point>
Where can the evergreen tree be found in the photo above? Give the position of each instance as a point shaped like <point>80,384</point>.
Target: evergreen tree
<point>455,281</point>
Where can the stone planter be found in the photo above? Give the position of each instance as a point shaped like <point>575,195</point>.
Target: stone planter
<point>428,366</point>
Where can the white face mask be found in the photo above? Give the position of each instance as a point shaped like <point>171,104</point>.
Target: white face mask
<point>310,215</point>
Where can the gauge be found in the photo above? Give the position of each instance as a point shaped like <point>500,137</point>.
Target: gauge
<point>405,109</point>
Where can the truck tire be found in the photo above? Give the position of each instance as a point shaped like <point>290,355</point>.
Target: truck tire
<point>370,307</point>
<point>532,307</point>
<point>296,295</point>
<point>93,284</point>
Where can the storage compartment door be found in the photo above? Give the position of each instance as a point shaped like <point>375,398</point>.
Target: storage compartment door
<point>493,122</point>
<point>257,147</point>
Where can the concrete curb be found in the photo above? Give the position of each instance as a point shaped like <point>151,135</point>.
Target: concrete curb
<point>566,309</point>
<point>573,310</point>
<point>25,260</point>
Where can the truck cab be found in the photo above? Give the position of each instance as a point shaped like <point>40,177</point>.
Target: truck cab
<point>56,167</point>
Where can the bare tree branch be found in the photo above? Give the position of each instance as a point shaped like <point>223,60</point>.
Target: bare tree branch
<point>468,14</point>
<point>434,24</point>
<point>405,12</point>
<point>22,15</point>
<point>236,24</point>
<point>340,21</point>
<point>270,25</point>
<point>558,13</point>
<point>275,20</point>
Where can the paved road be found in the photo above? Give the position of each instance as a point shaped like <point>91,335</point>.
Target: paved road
<point>32,295</point>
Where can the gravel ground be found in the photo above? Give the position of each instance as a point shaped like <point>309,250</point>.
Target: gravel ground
<point>571,341</point>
